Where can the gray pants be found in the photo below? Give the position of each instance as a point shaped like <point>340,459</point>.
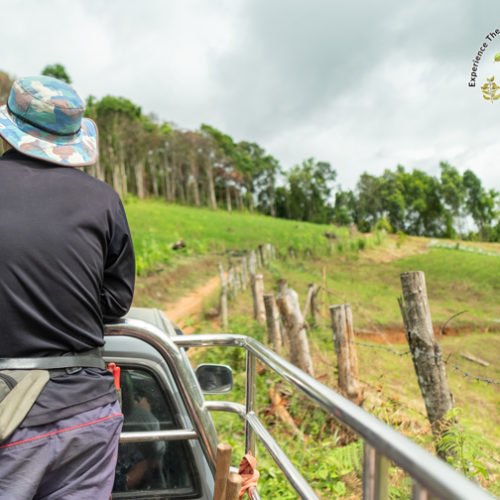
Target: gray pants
<point>71,459</point>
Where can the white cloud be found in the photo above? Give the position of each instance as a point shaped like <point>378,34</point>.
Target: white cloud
<point>363,84</point>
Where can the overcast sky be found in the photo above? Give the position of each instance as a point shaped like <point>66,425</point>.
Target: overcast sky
<point>365,85</point>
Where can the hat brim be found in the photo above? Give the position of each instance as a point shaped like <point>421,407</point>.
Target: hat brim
<point>78,150</point>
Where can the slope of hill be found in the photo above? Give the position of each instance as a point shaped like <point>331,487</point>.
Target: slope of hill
<point>364,271</point>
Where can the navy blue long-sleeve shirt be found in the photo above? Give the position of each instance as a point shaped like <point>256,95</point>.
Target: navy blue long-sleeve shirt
<point>66,267</point>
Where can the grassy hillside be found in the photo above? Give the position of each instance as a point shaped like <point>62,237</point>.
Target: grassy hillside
<point>363,271</point>
<point>156,225</point>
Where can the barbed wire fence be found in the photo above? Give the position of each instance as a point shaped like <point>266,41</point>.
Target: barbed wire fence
<point>265,253</point>
<point>402,354</point>
<point>465,373</point>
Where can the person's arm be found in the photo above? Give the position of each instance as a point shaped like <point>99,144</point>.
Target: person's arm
<point>119,269</point>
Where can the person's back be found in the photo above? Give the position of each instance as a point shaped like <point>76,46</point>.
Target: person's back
<point>56,224</point>
<point>66,266</point>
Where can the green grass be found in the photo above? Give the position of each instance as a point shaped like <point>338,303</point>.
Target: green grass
<point>156,225</point>
<point>220,230</point>
<point>459,281</point>
<point>456,282</point>
<point>358,273</point>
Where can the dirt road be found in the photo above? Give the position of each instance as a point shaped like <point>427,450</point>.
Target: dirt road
<point>190,307</point>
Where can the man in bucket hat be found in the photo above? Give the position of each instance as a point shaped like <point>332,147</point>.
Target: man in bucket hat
<point>66,267</point>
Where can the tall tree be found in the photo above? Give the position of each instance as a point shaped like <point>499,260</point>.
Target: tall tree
<point>453,193</point>
<point>56,71</point>
<point>426,214</point>
<point>119,122</point>
<point>226,158</point>
<point>479,202</point>
<point>393,200</point>
<point>265,183</point>
<point>370,206</point>
<point>310,187</point>
<point>345,210</point>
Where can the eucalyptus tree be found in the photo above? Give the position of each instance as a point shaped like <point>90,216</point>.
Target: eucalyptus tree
<point>154,136</point>
<point>194,171</point>
<point>207,151</point>
<point>119,122</point>
<point>259,171</point>
<point>225,171</point>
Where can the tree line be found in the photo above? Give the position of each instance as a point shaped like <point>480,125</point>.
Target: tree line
<point>419,204</point>
<point>146,157</point>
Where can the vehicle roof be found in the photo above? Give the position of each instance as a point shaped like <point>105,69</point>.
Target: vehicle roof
<point>155,317</point>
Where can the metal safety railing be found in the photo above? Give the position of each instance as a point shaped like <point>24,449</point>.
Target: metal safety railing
<point>432,477</point>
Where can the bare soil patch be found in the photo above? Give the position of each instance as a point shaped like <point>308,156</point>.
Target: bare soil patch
<point>394,249</point>
<point>394,334</point>
<point>189,308</point>
<point>168,284</point>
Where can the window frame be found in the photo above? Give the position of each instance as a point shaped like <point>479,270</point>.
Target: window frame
<point>164,380</point>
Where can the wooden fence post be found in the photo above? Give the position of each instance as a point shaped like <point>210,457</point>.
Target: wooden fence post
<point>315,305</point>
<point>425,351</point>
<point>323,303</point>
<point>233,488</point>
<point>273,321</point>
<point>345,348</point>
<point>273,252</point>
<point>282,286</point>
<point>259,310</point>
<point>223,462</point>
<point>262,255</point>
<point>223,297</point>
<point>293,321</point>
<point>269,253</point>
<point>258,259</point>
<point>353,383</point>
<point>308,305</point>
<point>236,280</point>
<point>244,273</point>
<point>230,281</point>
<point>252,262</point>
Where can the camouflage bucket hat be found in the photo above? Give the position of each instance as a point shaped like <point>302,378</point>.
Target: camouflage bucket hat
<point>43,118</point>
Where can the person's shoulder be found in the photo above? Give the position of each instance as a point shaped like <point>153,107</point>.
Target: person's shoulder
<point>94,184</point>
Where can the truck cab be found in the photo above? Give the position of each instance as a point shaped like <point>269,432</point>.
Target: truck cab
<point>151,402</point>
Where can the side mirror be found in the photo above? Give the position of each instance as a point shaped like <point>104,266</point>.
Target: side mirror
<point>214,379</point>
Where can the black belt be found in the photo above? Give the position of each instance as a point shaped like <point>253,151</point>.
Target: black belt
<point>86,359</point>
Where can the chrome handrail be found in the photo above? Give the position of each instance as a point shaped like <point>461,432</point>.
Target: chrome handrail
<point>431,475</point>
<point>150,436</point>
<point>381,441</point>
